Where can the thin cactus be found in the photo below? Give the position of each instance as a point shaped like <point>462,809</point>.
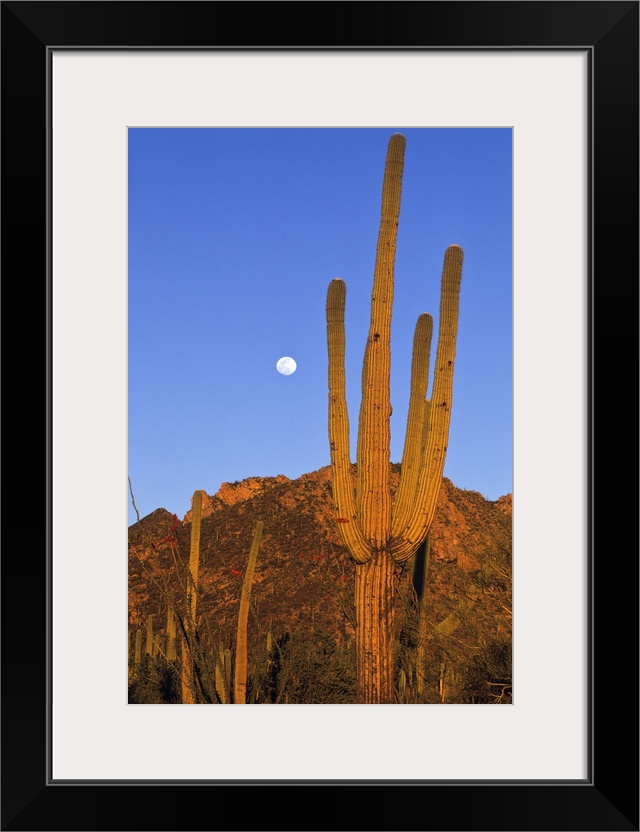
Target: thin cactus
<point>190,634</point>
<point>137,656</point>
<point>171,631</point>
<point>402,685</point>
<point>241,671</point>
<point>222,675</point>
<point>379,534</point>
<point>148,649</point>
<point>219,682</point>
<point>227,673</point>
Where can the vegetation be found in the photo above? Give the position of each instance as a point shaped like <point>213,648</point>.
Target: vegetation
<point>452,642</point>
<point>380,535</point>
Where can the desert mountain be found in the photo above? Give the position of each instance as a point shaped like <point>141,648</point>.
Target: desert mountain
<point>304,577</point>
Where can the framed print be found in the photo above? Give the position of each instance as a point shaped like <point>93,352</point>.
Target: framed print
<point>96,99</point>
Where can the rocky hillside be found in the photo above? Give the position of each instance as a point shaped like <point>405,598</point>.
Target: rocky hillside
<point>304,578</point>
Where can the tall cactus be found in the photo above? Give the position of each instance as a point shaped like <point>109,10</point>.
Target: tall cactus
<point>241,672</point>
<point>380,535</point>
<point>190,634</point>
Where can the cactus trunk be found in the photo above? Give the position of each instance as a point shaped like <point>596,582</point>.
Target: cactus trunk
<point>189,636</point>
<point>380,535</point>
<point>375,605</point>
<point>240,682</point>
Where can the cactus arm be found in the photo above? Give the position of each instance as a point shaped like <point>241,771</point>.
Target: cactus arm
<point>373,496</point>
<point>341,476</point>
<point>240,682</point>
<point>416,420</point>
<point>419,522</point>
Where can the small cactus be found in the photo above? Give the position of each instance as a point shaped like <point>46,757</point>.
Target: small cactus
<point>223,675</point>
<point>171,631</point>
<point>149,643</point>
<point>137,656</point>
<point>228,661</point>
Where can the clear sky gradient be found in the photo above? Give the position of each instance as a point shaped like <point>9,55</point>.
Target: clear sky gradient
<point>234,236</point>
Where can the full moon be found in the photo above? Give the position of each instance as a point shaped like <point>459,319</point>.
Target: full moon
<point>286,366</point>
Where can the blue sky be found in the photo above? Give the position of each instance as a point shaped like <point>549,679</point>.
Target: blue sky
<point>234,236</point>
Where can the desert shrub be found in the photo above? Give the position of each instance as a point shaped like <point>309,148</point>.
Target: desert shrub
<point>154,682</point>
<point>313,669</point>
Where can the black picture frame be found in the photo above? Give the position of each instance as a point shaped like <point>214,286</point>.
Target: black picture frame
<point>608,798</point>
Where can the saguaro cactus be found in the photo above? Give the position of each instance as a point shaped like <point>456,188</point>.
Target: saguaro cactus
<point>240,681</point>
<point>189,636</point>
<point>380,535</point>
